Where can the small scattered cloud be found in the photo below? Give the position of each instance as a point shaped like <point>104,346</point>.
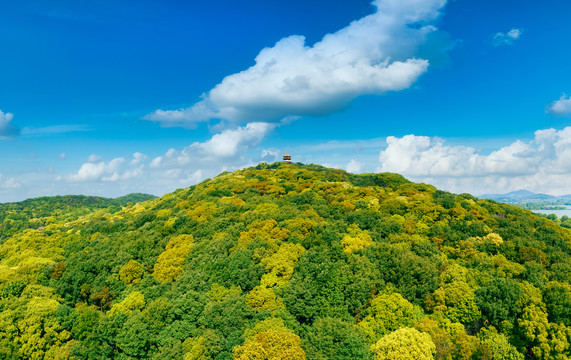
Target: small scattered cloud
<point>355,166</point>
<point>222,148</point>
<point>270,155</point>
<point>62,156</point>
<point>229,142</point>
<point>372,55</point>
<point>7,129</point>
<point>561,107</point>
<point>96,169</point>
<point>138,158</point>
<point>53,130</point>
<point>12,183</point>
<point>9,183</point>
<point>93,158</point>
<point>508,38</point>
<point>226,150</point>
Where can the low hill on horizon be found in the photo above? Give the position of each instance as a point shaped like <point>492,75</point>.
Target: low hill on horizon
<point>523,196</point>
<point>286,261</point>
<point>38,212</point>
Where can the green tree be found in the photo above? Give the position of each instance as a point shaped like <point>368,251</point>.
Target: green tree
<point>134,338</point>
<point>498,300</point>
<point>319,287</point>
<point>557,297</point>
<point>334,339</point>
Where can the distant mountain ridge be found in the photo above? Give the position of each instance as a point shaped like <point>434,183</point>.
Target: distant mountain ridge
<point>523,196</point>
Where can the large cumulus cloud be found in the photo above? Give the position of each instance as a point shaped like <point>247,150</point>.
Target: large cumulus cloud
<point>372,55</point>
<point>542,164</point>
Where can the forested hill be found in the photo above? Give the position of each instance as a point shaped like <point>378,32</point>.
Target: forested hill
<point>289,261</point>
<point>38,212</point>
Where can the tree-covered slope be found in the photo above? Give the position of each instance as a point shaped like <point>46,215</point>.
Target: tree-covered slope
<point>39,212</point>
<point>290,261</point>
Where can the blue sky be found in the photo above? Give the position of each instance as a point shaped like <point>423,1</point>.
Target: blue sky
<point>149,96</point>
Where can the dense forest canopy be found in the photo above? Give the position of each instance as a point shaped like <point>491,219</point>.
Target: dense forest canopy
<point>284,261</point>
<point>39,212</point>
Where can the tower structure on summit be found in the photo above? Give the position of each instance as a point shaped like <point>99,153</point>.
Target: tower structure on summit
<point>287,158</point>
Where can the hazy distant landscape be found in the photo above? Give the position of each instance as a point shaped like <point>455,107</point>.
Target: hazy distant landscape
<point>559,206</point>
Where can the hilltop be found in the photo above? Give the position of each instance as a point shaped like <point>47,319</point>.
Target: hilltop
<point>292,261</point>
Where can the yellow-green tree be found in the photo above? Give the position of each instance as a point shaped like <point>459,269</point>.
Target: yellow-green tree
<point>39,333</point>
<point>404,344</point>
<point>450,338</point>
<point>279,266</point>
<point>170,263</point>
<point>499,345</point>
<point>131,273</point>
<point>456,300</point>
<point>135,301</point>
<point>271,345</point>
<point>356,239</point>
<point>388,312</point>
<point>544,339</point>
<point>203,347</point>
<point>262,298</point>
<point>270,339</point>
<point>264,230</point>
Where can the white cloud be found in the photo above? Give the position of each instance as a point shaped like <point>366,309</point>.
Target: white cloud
<point>138,158</point>
<point>270,155</point>
<point>229,142</point>
<point>94,158</point>
<point>508,38</point>
<point>372,55</point>
<point>542,164</point>
<point>221,148</point>
<point>560,107</point>
<point>12,183</point>
<point>62,156</point>
<point>355,166</point>
<point>89,172</point>
<point>227,150</point>
<point>54,130</point>
<point>7,129</point>
<point>9,184</point>
<point>96,169</point>
<point>423,156</point>
<point>515,33</point>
